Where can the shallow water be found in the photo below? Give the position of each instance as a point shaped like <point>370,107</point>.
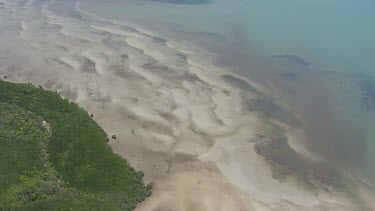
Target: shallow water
<point>317,55</point>
<point>332,35</point>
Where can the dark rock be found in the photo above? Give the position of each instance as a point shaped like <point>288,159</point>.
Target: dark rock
<point>114,137</point>
<point>91,115</point>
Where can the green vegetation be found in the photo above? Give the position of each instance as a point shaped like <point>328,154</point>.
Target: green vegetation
<point>63,165</point>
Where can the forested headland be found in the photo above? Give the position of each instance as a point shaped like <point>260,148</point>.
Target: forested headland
<point>53,156</point>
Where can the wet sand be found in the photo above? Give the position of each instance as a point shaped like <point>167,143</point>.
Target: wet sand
<point>188,123</point>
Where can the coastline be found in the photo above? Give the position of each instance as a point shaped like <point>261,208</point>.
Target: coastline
<point>175,116</point>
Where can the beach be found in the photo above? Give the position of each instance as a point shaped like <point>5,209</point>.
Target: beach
<point>189,124</point>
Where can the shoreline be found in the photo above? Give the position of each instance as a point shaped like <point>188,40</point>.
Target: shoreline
<point>171,120</point>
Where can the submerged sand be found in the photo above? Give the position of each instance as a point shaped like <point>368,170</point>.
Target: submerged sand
<point>177,116</point>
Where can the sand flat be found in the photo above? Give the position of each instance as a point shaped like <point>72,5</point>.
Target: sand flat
<point>189,135</point>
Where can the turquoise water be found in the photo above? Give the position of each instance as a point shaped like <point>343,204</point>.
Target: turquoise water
<point>335,94</point>
<point>335,35</point>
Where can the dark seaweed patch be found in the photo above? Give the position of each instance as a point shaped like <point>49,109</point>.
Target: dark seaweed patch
<point>367,90</point>
<point>160,39</point>
<point>89,67</point>
<point>239,83</point>
<point>285,161</point>
<point>292,59</point>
